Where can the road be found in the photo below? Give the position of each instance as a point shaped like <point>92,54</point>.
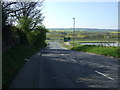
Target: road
<point>58,67</point>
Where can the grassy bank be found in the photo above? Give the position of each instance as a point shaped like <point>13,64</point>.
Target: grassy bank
<point>12,61</point>
<point>66,46</point>
<point>102,50</point>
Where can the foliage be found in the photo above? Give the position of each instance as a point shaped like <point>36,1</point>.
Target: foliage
<point>38,36</point>
<point>9,37</point>
<point>22,31</point>
<point>4,17</point>
<point>22,37</point>
<point>26,11</point>
<point>13,60</point>
<point>24,18</point>
<point>24,24</point>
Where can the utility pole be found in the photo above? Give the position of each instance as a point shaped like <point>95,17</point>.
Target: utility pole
<point>73,31</point>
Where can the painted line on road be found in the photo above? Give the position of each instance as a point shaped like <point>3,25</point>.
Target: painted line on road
<point>27,59</point>
<point>39,53</point>
<point>62,54</point>
<point>73,60</point>
<point>105,75</point>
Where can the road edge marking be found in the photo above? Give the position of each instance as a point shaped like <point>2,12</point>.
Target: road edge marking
<point>105,75</point>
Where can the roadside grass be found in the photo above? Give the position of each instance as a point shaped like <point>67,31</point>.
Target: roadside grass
<point>113,51</point>
<point>102,50</point>
<point>66,46</point>
<point>12,61</point>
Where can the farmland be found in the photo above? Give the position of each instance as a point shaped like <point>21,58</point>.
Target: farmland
<point>84,35</point>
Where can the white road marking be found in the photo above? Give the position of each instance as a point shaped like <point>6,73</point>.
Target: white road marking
<point>38,53</point>
<point>105,75</point>
<point>62,54</point>
<point>73,60</point>
<point>27,59</point>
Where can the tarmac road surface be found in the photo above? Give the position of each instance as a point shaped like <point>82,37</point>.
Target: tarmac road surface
<point>57,67</point>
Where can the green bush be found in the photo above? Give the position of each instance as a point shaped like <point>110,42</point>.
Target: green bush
<point>22,37</point>
<point>38,37</point>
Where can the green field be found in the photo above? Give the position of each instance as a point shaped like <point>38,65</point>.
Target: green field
<point>84,36</point>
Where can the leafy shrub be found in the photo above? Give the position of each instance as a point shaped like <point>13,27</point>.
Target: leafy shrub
<point>22,37</point>
<point>38,37</point>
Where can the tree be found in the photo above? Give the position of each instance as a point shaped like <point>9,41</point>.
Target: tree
<point>38,36</point>
<point>28,11</point>
<point>27,17</point>
<point>9,34</point>
<point>24,23</point>
<point>6,12</point>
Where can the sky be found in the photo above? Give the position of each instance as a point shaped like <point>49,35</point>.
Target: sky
<point>101,15</point>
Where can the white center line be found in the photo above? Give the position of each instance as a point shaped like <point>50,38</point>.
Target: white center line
<point>105,75</point>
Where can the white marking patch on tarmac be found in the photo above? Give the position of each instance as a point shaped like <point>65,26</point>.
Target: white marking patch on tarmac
<point>105,75</point>
<point>73,60</point>
<point>27,59</point>
<point>62,54</point>
<point>38,53</point>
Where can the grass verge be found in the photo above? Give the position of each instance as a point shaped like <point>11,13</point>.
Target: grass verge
<point>66,46</point>
<point>102,50</point>
<point>12,61</point>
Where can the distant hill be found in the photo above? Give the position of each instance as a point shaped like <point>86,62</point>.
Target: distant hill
<point>83,29</point>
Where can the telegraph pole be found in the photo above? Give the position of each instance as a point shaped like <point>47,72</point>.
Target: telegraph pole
<point>73,31</point>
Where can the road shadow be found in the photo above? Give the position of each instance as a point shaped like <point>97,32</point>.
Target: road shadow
<point>80,74</point>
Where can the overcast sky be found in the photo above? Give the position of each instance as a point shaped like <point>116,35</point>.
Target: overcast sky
<point>87,14</point>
